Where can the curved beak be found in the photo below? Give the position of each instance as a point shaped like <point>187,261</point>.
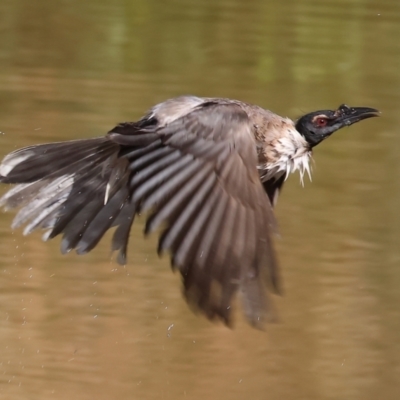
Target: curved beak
<point>349,115</point>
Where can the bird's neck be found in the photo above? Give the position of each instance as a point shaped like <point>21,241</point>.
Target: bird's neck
<point>286,153</point>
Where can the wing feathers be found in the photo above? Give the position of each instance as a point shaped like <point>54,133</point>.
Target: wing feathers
<point>177,227</point>
<point>177,202</point>
<point>197,175</point>
<point>162,175</point>
<point>102,221</point>
<point>120,238</point>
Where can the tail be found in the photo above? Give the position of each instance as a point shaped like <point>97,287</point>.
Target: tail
<point>77,188</point>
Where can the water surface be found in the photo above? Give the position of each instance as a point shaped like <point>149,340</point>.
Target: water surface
<point>84,327</point>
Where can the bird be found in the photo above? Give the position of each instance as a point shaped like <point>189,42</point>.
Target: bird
<point>206,172</point>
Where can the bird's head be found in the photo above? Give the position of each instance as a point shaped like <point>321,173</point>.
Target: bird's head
<point>318,125</point>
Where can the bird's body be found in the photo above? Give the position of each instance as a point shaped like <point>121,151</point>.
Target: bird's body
<point>207,170</point>
<point>280,147</point>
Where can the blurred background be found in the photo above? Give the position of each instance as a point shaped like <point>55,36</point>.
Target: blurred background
<point>86,328</point>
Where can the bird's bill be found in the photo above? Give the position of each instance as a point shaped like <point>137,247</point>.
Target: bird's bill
<point>351,115</point>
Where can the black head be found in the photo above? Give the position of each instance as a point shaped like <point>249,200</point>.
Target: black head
<point>318,125</point>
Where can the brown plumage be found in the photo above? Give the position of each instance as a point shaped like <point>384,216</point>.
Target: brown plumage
<point>206,171</point>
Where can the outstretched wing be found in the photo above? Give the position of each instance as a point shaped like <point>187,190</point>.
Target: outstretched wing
<point>199,180</point>
<point>78,188</point>
<point>195,174</point>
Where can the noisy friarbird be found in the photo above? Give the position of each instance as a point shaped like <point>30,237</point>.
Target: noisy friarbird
<point>206,171</point>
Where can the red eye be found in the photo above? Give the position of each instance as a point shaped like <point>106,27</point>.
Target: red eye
<point>321,121</point>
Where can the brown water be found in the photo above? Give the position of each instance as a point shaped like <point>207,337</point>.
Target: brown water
<point>84,328</point>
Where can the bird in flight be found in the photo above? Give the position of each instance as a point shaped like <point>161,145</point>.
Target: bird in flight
<point>207,173</point>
